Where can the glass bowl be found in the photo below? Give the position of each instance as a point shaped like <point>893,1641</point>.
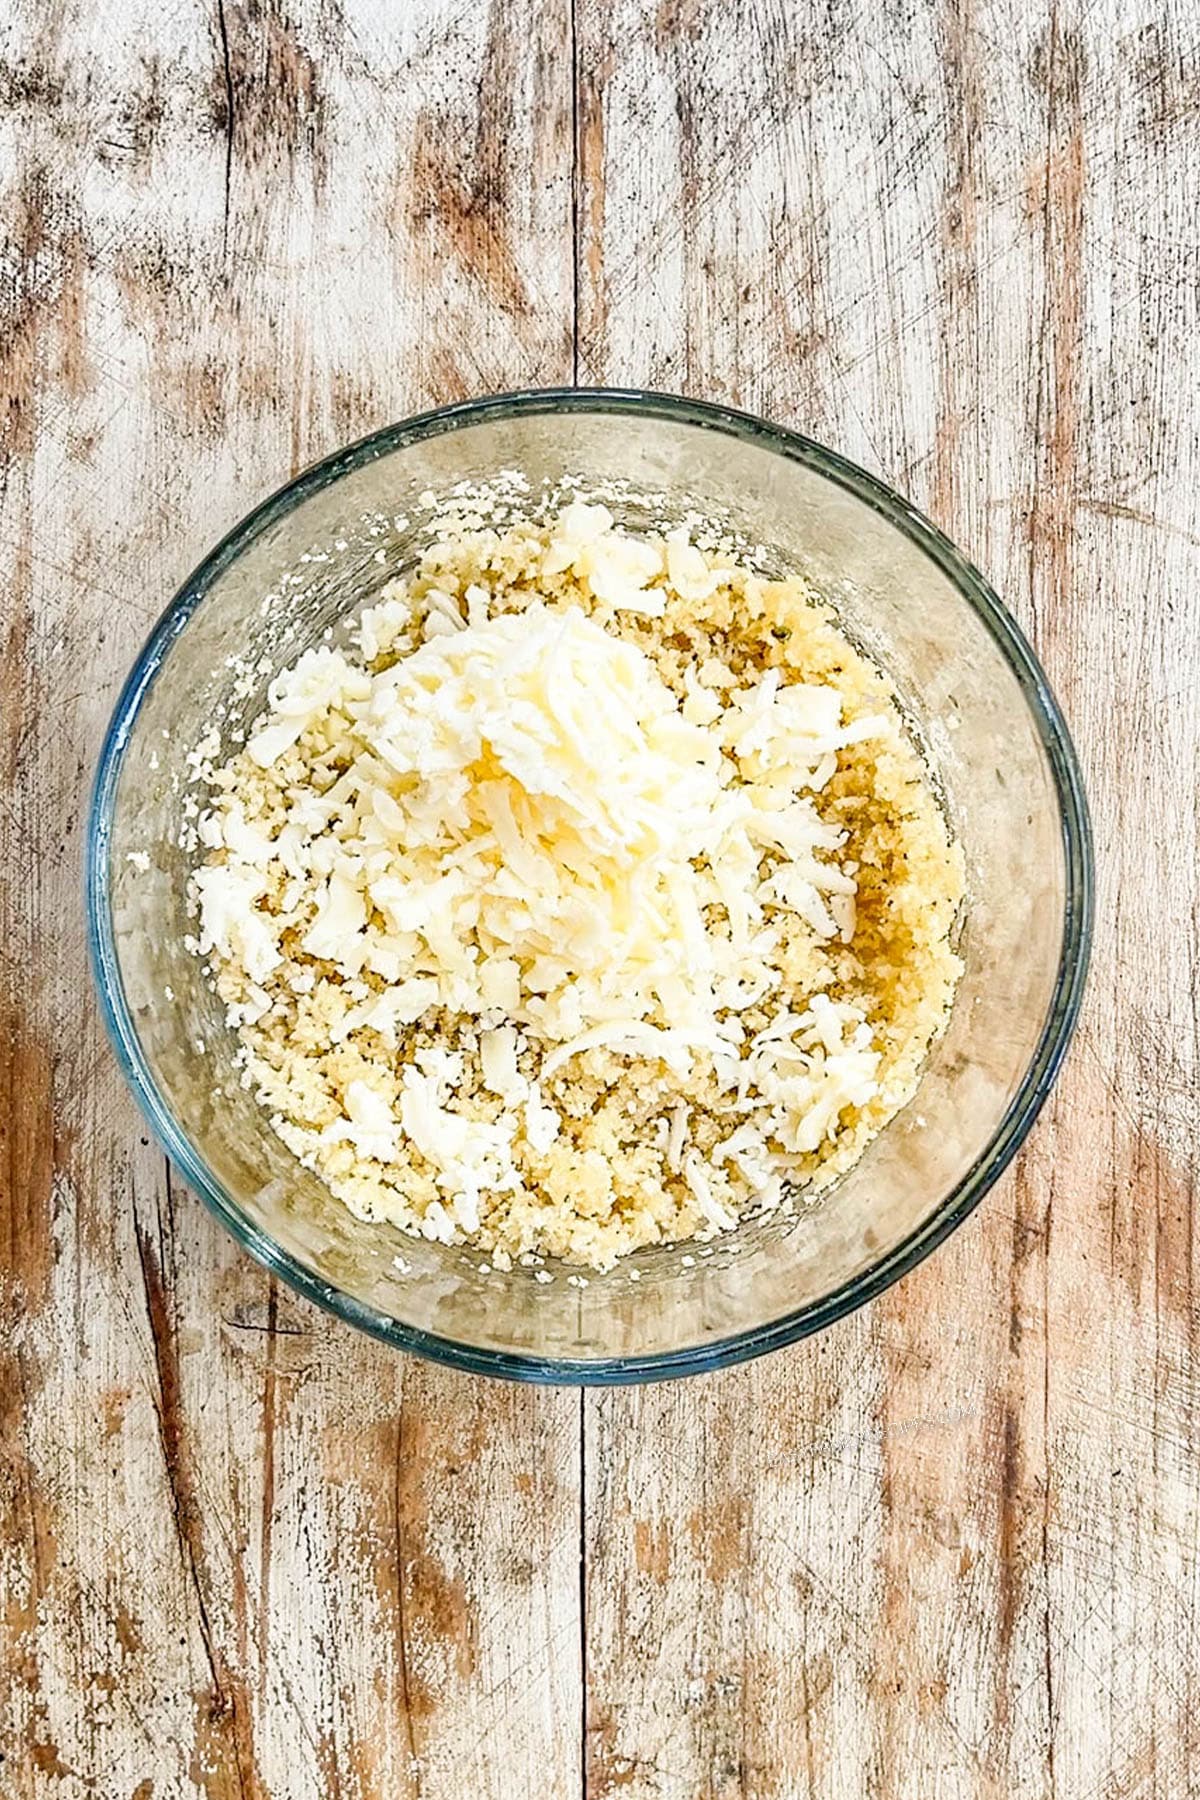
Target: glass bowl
<point>975,697</point>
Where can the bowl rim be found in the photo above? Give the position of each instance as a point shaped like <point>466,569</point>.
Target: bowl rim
<point>1026,1103</point>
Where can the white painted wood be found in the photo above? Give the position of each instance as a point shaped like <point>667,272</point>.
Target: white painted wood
<point>947,1550</point>
<point>243,1551</point>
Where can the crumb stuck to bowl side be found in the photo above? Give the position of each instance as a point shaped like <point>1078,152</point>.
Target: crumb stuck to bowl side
<point>597,898</point>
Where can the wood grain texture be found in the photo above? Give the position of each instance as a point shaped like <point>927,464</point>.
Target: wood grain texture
<point>947,1550</point>
<point>244,1553</point>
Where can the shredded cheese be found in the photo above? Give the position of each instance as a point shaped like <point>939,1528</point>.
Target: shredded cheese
<point>511,818</point>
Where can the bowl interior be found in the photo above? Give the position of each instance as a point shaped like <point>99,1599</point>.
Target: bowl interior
<point>974,697</point>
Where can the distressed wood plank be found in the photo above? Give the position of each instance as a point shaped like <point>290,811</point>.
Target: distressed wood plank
<point>950,1547</point>
<point>243,1552</point>
<point>947,1549</point>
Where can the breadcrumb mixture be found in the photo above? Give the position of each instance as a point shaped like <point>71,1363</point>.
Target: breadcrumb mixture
<point>601,948</point>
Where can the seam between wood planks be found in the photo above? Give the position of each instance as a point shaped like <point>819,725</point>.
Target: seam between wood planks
<point>576,172</point>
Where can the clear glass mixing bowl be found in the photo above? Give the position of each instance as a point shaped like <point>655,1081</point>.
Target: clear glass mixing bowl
<point>975,696</point>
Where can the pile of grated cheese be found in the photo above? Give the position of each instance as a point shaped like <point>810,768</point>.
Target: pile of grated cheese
<point>537,911</point>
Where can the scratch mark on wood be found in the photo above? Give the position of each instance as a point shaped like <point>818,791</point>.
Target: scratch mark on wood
<point>223,1723</point>
<point>229,121</point>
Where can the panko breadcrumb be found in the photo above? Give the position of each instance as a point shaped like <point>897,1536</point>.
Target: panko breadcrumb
<point>376,880</point>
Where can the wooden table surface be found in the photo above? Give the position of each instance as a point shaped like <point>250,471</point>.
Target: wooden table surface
<point>950,1547</point>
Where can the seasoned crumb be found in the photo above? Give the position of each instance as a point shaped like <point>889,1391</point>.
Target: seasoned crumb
<point>376,1033</point>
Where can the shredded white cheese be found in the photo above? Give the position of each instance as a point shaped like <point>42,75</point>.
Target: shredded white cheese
<point>519,824</point>
<point>530,824</point>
